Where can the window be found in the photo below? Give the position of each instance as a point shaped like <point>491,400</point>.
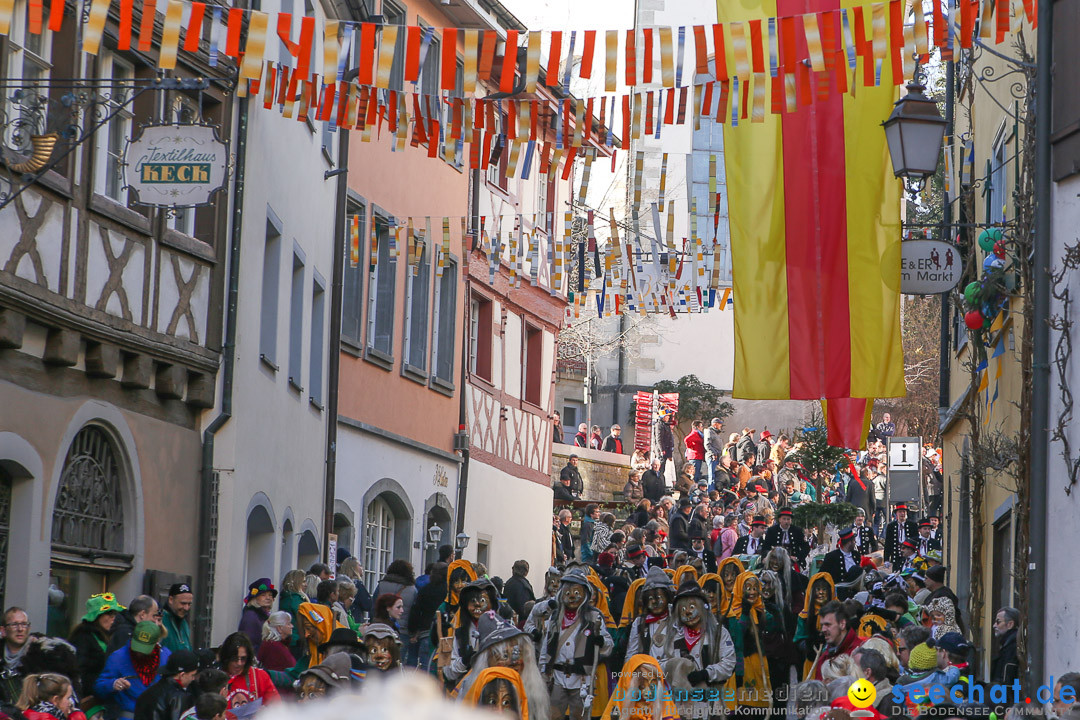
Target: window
<point>1001,592</point>
<point>1064,128</point>
<point>542,192</point>
<point>353,280</point>
<point>394,14</point>
<point>429,73</point>
<point>111,139</point>
<point>445,324</point>
<point>381,289</point>
<point>185,111</point>
<point>417,283</point>
<point>709,141</point>
<point>296,320</point>
<point>378,541</point>
<point>534,364</point>
<point>28,58</point>
<point>270,280</point>
<point>483,551</point>
<point>497,165</point>
<point>480,319</point>
<point>997,197</point>
<point>315,357</point>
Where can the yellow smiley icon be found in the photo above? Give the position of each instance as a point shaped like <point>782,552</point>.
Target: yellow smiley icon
<point>862,693</point>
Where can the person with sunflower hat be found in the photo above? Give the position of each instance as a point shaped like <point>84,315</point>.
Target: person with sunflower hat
<point>92,635</point>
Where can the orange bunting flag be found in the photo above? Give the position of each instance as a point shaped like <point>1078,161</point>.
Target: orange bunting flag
<point>170,36</point>
<point>667,58</point>
<point>532,62</point>
<point>332,47</point>
<point>469,69</point>
<point>813,42</point>
<point>146,27</point>
<point>611,59</point>
<point>387,46</point>
<point>92,31</point>
<point>251,67</point>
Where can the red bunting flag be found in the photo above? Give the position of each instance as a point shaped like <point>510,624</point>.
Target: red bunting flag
<point>720,53</point>
<point>194,28</point>
<point>146,28</point>
<point>232,39</point>
<point>126,10</point>
<point>487,53</point>
<point>449,58</point>
<point>587,54</point>
<point>552,78</point>
<point>631,59</point>
<point>509,63</point>
<point>647,61</point>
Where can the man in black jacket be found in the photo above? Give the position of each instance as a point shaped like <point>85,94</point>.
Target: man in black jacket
<point>168,698</point>
<point>1005,667</point>
<point>896,532</point>
<point>570,471</point>
<point>613,443</point>
<point>679,528</point>
<point>751,544</point>
<point>563,491</point>
<point>653,486</point>
<point>518,590</point>
<point>788,536</point>
<point>860,492</point>
<point>843,563</point>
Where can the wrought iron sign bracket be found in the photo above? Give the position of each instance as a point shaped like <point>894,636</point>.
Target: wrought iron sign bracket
<point>31,135</point>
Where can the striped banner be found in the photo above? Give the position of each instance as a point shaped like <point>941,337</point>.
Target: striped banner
<point>826,230</point>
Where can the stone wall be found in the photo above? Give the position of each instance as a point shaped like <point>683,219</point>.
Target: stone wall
<point>604,473</point>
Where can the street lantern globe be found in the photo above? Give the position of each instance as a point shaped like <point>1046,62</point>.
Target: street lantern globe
<point>461,542</point>
<point>434,534</point>
<point>915,132</point>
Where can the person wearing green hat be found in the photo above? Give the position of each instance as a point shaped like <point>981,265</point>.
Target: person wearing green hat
<point>91,636</point>
<point>132,669</point>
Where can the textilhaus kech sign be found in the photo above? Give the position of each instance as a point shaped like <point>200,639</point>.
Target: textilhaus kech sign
<point>176,165</point>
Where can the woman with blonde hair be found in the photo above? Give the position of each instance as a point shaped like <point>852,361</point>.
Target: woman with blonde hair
<point>292,595</point>
<point>363,602</point>
<point>47,696</point>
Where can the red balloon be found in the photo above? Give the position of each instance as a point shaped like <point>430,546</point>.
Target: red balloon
<point>999,249</point>
<point>973,320</point>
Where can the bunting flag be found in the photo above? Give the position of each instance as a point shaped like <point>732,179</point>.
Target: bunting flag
<point>825,221</point>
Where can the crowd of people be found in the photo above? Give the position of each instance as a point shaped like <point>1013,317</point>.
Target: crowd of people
<point>699,599</point>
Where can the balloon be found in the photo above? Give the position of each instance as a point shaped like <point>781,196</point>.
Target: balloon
<point>999,249</point>
<point>971,294</point>
<point>988,237</point>
<point>973,320</point>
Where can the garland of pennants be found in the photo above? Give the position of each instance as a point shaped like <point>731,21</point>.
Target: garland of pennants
<point>679,278</point>
<point>756,49</point>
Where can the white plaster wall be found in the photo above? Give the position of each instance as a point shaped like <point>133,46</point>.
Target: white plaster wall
<point>1063,576</point>
<point>365,459</point>
<point>275,442</point>
<point>516,515</point>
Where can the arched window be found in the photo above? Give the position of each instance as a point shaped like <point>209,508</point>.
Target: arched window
<point>378,541</point>
<point>88,538</point>
<point>88,514</point>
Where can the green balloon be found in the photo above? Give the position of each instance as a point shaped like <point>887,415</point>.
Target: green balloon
<point>971,294</point>
<point>987,239</point>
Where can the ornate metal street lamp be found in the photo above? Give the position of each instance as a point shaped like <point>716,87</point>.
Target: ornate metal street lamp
<point>915,132</point>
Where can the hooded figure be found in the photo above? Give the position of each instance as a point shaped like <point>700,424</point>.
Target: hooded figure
<point>748,621</point>
<point>808,637</point>
<point>700,653</point>
<point>458,575</point>
<point>501,689</point>
<point>652,624</point>
<point>505,648</point>
<point>642,693</point>
<point>317,624</point>
<point>681,573</point>
<point>383,647</point>
<point>729,571</point>
<point>575,638</point>
<point>538,616</point>
<point>629,608</point>
<point>944,607</point>
<point>476,598</point>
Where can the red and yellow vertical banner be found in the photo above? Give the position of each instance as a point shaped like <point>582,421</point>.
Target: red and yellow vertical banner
<point>814,213</point>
